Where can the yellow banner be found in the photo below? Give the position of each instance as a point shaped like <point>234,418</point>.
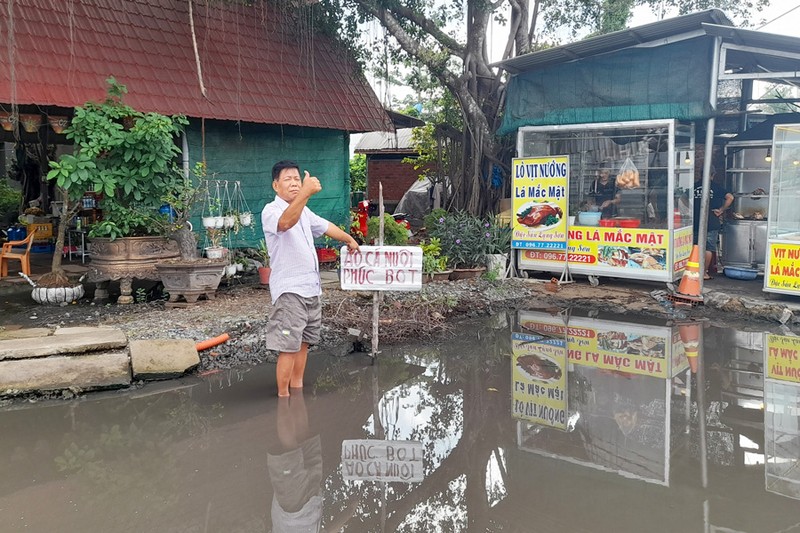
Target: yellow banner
<point>784,267</point>
<point>612,247</point>
<point>656,352</point>
<point>783,358</point>
<point>539,379</point>
<point>540,202</point>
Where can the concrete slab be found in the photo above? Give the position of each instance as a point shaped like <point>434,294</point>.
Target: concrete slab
<point>97,370</point>
<point>162,358</point>
<point>27,333</point>
<point>82,330</point>
<point>95,340</point>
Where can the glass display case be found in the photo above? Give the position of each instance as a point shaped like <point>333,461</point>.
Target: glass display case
<point>747,171</point>
<point>782,271</point>
<point>629,201</point>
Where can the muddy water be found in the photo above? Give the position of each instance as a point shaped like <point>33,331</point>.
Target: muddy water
<point>517,424</point>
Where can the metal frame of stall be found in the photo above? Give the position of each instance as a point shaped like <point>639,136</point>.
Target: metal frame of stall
<point>737,54</point>
<point>678,239</point>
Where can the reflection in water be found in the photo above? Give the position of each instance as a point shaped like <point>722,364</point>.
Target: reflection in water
<point>534,421</point>
<point>295,470</point>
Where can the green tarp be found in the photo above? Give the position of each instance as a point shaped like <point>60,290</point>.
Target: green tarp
<point>246,152</point>
<point>669,81</point>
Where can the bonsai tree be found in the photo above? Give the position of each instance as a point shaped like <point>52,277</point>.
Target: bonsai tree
<point>129,157</point>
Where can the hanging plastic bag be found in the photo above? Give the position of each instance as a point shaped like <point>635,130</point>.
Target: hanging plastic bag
<point>628,177</point>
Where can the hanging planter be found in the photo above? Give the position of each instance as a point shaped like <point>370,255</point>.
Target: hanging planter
<point>245,219</point>
<point>7,120</point>
<point>215,252</point>
<point>208,222</point>
<point>30,122</point>
<point>58,123</point>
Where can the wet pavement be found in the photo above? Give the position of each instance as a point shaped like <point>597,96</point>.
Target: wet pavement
<point>527,421</point>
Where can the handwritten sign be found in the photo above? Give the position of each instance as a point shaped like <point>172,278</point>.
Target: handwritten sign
<point>382,268</point>
<point>382,460</point>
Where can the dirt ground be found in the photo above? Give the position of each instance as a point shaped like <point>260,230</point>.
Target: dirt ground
<point>241,309</point>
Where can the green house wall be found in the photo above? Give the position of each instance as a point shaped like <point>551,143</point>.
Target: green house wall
<point>246,153</point>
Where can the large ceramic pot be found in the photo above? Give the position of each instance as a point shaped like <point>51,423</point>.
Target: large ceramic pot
<point>126,258</point>
<point>190,280</point>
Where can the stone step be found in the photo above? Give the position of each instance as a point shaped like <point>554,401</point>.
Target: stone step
<point>64,341</point>
<point>89,371</point>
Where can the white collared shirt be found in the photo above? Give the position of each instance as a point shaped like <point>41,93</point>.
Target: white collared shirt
<point>292,257</point>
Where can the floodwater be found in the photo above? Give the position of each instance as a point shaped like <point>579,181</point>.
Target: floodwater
<point>531,421</point>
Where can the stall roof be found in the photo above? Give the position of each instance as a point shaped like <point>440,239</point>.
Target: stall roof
<point>617,40</point>
<point>763,130</point>
<point>759,53</point>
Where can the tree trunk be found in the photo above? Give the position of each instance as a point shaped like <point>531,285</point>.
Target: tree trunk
<point>187,243</point>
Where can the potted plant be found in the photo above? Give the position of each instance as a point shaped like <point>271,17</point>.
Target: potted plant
<point>434,264</point>
<point>464,242</point>
<point>132,169</point>
<point>189,276</point>
<point>216,250</point>
<point>263,255</point>
<point>498,246</point>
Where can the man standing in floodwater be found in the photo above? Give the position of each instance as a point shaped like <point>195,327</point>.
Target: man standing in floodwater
<point>289,231</point>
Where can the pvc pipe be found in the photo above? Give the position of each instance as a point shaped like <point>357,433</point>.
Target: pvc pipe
<point>210,343</point>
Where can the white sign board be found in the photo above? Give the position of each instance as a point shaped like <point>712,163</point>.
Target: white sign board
<point>382,460</point>
<point>382,268</point>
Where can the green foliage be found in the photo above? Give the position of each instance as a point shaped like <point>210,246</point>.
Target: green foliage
<point>394,234</point>
<point>466,239</point>
<point>436,216</point>
<point>10,199</point>
<point>432,258</point>
<point>128,156</point>
<point>499,236</point>
<point>358,173</point>
<point>263,253</point>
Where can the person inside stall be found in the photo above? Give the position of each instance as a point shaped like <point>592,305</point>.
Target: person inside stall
<point>719,200</point>
<point>604,191</point>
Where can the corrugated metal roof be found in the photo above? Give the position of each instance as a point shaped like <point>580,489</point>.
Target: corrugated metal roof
<point>615,41</point>
<point>381,141</point>
<point>258,65</point>
<point>785,56</point>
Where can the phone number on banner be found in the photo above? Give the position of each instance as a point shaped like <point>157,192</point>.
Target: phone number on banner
<point>540,245</point>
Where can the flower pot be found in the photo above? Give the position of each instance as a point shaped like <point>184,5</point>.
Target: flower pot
<point>228,221</point>
<point>245,219</point>
<point>215,252</point>
<point>208,222</point>
<point>263,275</point>
<point>7,121</point>
<point>498,263</point>
<point>467,273</point>
<point>190,280</point>
<point>30,122</point>
<point>443,275</point>
<point>326,255</point>
<point>57,295</point>
<point>219,222</point>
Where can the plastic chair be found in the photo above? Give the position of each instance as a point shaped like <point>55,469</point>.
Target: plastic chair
<point>24,257</point>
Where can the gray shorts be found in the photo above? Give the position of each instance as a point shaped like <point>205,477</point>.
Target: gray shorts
<point>711,240</point>
<point>294,320</point>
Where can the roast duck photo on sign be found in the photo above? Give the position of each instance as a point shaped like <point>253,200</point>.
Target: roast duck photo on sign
<point>539,214</point>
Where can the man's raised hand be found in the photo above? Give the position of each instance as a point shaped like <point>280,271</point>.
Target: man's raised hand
<point>311,185</point>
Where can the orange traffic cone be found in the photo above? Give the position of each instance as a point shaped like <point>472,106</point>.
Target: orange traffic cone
<point>689,287</point>
<point>690,336</point>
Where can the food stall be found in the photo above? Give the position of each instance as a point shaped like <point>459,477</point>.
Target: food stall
<point>623,208</point>
<point>608,381</point>
<point>782,270</point>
